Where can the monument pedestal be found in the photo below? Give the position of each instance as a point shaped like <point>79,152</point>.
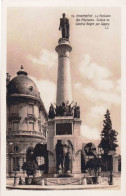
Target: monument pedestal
<point>67,130</point>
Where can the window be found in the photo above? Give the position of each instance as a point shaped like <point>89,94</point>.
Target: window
<point>31,126</point>
<point>31,88</point>
<point>15,126</point>
<point>30,109</point>
<point>16,149</point>
<point>16,165</point>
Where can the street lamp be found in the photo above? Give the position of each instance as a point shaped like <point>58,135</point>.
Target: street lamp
<point>15,172</point>
<point>15,169</point>
<point>111,153</point>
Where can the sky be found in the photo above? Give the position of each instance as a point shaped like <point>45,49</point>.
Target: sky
<point>32,35</point>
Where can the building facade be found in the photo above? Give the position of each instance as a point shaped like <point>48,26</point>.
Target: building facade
<point>26,121</point>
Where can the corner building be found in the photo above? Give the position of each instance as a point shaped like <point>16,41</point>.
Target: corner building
<point>26,121</point>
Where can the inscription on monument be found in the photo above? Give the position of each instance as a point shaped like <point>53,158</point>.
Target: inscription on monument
<point>63,128</point>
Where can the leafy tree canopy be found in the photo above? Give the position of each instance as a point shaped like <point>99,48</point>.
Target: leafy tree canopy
<point>94,164</point>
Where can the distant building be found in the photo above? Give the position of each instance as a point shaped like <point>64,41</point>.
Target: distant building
<point>26,121</point>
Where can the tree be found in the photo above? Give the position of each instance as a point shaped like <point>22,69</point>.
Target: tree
<point>108,135</point>
<point>30,167</point>
<point>93,165</point>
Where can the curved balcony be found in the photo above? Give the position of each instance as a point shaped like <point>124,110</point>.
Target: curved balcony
<point>26,133</point>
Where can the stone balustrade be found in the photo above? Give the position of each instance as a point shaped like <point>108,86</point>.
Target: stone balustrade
<point>29,133</point>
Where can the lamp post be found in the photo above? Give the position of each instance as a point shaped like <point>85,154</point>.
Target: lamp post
<point>111,153</point>
<point>15,169</point>
<point>111,178</point>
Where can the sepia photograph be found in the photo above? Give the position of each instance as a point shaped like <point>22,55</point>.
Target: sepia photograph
<point>63,98</point>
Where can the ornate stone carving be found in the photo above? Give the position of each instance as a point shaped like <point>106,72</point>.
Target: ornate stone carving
<point>65,109</point>
<point>76,111</point>
<point>64,156</point>
<point>31,117</point>
<point>51,111</point>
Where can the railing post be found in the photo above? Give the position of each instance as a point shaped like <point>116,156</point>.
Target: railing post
<point>84,181</point>
<point>43,184</point>
<point>99,178</point>
<point>111,178</point>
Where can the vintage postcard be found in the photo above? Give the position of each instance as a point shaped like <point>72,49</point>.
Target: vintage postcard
<point>62,122</point>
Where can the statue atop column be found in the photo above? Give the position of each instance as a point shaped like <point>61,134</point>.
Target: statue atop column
<point>64,26</point>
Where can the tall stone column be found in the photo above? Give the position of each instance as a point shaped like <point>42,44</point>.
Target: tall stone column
<point>64,92</point>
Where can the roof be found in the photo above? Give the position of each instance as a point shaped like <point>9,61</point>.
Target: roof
<point>22,84</point>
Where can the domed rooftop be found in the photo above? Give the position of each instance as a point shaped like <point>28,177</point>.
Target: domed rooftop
<point>22,85</point>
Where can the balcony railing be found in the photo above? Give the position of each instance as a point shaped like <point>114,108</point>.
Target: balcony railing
<point>27,133</point>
